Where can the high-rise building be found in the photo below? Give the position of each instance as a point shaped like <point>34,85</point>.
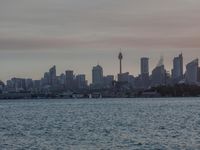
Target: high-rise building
<point>177,71</point>
<point>62,79</point>
<point>52,76</point>
<point>29,84</point>
<point>144,65</point>
<point>192,71</point>
<point>97,75</point>
<point>158,76</point>
<point>108,80</point>
<point>144,77</point>
<point>126,78</point>
<point>46,79</point>
<point>81,81</point>
<point>69,75</point>
<point>2,85</point>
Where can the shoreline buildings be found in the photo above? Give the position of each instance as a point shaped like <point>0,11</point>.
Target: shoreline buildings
<point>68,81</point>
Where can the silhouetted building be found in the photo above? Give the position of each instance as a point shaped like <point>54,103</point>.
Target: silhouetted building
<point>69,75</point>
<point>158,76</point>
<point>81,81</point>
<point>61,79</point>
<point>108,81</point>
<point>46,79</point>
<point>2,85</point>
<point>37,85</point>
<point>144,77</point>
<point>192,71</point>
<point>126,78</point>
<point>177,71</point>
<point>52,76</point>
<point>29,84</point>
<point>97,76</point>
<point>144,65</point>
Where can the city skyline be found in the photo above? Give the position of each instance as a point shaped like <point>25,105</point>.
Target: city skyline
<point>34,35</point>
<point>69,81</point>
<point>110,72</point>
<point>145,69</point>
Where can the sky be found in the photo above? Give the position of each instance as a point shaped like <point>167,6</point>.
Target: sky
<point>78,34</point>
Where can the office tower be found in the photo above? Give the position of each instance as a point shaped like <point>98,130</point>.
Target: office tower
<point>192,71</point>
<point>108,80</point>
<point>62,79</point>
<point>37,85</point>
<point>2,85</point>
<point>126,78</point>
<point>123,77</point>
<point>144,65</point>
<point>144,77</point>
<point>46,79</point>
<point>81,81</point>
<point>18,84</point>
<point>97,75</point>
<point>29,84</point>
<point>177,71</point>
<point>158,76</point>
<point>52,76</point>
<point>69,75</point>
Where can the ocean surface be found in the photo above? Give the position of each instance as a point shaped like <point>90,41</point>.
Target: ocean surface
<point>101,124</point>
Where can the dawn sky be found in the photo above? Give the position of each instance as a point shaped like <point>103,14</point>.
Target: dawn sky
<point>77,34</point>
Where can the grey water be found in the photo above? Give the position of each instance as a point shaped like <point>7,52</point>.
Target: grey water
<point>89,124</point>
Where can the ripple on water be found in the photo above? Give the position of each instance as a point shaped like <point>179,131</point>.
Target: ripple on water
<point>100,124</point>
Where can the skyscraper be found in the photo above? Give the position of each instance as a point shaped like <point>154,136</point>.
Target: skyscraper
<point>97,75</point>
<point>144,65</point>
<point>108,80</point>
<point>52,76</point>
<point>177,71</point>
<point>158,76</point>
<point>144,77</point>
<point>81,81</point>
<point>69,75</point>
<point>192,71</point>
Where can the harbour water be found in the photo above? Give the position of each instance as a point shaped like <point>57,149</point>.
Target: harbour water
<point>100,124</point>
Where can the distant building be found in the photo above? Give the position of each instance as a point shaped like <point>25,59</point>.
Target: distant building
<point>69,75</point>
<point>46,79</point>
<point>81,81</point>
<point>108,81</point>
<point>123,77</point>
<point>177,71</point>
<point>16,85</point>
<point>192,72</point>
<point>61,79</point>
<point>2,85</point>
<point>144,65</point>
<point>158,76</point>
<point>52,76</point>
<point>126,78</point>
<point>29,84</point>
<point>97,76</point>
<point>37,85</point>
<point>144,76</point>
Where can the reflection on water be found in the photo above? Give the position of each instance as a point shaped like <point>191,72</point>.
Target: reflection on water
<point>100,124</point>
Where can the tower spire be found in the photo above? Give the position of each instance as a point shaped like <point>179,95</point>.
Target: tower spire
<point>120,57</point>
